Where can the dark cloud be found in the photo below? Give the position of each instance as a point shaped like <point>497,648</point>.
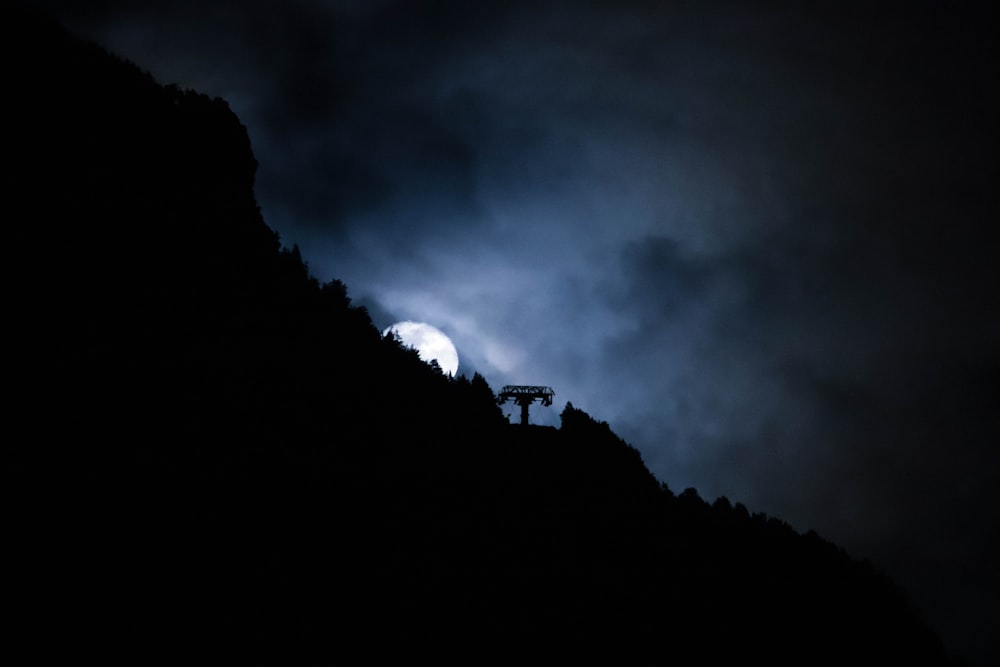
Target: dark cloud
<point>755,238</point>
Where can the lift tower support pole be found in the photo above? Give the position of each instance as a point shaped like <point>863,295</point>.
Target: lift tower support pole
<point>525,395</point>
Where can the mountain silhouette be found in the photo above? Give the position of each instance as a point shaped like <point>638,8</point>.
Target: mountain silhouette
<point>213,456</point>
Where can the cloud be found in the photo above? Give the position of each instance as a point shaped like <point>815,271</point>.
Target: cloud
<point>756,240</point>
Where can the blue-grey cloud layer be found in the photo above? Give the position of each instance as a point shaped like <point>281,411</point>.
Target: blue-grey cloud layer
<point>755,240</point>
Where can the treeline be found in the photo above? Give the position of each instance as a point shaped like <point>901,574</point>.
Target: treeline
<point>211,453</point>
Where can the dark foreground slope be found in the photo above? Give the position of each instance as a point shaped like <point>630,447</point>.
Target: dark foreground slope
<point>210,455</point>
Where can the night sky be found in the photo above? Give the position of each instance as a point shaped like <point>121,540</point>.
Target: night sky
<point>756,239</point>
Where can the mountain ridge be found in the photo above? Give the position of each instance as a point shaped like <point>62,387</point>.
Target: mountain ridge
<point>218,450</point>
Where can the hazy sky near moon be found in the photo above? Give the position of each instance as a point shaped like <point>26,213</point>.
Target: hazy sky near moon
<point>756,238</point>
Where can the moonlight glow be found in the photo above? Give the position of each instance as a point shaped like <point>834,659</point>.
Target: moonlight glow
<point>429,342</point>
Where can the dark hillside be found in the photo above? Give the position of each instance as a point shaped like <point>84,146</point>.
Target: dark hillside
<point>209,449</point>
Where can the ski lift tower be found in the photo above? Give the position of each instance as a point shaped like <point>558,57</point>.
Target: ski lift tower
<point>525,395</point>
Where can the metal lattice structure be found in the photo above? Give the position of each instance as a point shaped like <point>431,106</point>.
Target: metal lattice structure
<point>525,395</point>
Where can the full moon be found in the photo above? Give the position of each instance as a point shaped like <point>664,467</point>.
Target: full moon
<point>429,342</point>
